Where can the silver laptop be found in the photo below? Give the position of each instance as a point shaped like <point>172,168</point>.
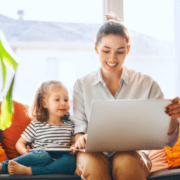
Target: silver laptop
<point>127,125</point>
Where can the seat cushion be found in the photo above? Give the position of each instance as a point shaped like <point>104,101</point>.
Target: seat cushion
<point>168,174</point>
<point>20,121</point>
<point>40,177</point>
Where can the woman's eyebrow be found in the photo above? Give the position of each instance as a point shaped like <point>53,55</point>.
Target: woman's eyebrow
<point>106,47</point>
<point>121,47</point>
<point>110,48</point>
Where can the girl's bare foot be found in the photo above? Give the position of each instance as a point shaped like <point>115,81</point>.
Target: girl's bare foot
<point>16,168</point>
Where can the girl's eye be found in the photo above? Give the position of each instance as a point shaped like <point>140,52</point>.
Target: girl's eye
<point>66,100</point>
<point>57,99</point>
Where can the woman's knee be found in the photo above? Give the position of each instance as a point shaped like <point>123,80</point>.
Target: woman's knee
<point>93,165</point>
<point>92,159</point>
<point>127,165</point>
<point>126,159</point>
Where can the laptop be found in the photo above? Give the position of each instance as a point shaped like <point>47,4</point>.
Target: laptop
<point>127,125</point>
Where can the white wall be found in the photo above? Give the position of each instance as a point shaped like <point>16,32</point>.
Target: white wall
<point>177,48</point>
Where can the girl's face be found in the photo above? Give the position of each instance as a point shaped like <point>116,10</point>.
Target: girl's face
<point>57,102</point>
<point>112,51</point>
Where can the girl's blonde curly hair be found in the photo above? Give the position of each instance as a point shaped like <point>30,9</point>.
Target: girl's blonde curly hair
<point>38,112</point>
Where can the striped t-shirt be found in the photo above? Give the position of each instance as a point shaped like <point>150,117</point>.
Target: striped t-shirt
<point>44,136</point>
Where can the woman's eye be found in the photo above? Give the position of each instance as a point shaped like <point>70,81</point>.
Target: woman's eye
<point>120,52</point>
<point>106,51</point>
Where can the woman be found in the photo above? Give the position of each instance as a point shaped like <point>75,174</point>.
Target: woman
<point>114,81</point>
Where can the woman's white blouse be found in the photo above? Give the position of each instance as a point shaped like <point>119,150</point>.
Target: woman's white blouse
<point>133,85</point>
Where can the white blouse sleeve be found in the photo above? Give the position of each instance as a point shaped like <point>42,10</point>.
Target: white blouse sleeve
<point>79,116</point>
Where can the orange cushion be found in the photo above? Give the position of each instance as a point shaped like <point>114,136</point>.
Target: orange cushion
<point>3,156</point>
<point>20,121</point>
<point>173,155</point>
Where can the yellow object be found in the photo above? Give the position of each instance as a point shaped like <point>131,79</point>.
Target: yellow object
<point>173,155</point>
<point>6,116</point>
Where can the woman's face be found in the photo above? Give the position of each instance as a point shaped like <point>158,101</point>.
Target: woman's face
<point>112,51</point>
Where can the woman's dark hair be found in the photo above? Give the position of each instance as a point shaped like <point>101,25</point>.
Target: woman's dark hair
<point>38,111</point>
<point>112,25</point>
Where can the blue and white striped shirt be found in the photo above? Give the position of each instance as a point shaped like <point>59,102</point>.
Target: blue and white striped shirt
<point>46,136</point>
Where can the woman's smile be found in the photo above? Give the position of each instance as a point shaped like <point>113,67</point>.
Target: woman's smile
<point>112,51</point>
<point>112,64</point>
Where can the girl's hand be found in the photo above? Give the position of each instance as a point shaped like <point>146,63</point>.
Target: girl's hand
<point>81,142</point>
<point>173,109</point>
<point>27,149</point>
<point>21,146</point>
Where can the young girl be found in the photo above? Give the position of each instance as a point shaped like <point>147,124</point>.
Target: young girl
<point>50,129</point>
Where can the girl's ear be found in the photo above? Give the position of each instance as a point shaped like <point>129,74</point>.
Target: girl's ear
<point>96,48</point>
<point>44,103</point>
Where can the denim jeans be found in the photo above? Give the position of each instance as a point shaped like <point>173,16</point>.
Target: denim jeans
<point>41,163</point>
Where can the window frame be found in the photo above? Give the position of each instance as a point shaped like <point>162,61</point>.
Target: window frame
<point>117,7</point>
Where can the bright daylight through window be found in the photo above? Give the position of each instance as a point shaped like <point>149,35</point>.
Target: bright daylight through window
<point>152,52</point>
<point>53,41</point>
<point>56,40</point>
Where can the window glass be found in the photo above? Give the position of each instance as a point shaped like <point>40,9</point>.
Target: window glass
<point>53,39</point>
<point>152,27</point>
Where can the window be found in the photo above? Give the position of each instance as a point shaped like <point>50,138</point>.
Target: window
<point>53,42</point>
<point>152,52</point>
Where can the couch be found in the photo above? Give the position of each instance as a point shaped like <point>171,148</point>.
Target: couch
<point>20,120</point>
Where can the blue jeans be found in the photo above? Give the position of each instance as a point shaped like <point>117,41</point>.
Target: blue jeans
<point>41,163</point>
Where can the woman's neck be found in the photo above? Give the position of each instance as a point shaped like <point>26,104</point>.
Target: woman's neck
<point>113,77</point>
<point>112,81</point>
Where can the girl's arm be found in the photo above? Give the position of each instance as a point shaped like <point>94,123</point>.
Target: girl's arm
<point>21,146</point>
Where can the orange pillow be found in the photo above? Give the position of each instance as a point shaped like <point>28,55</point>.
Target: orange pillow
<point>20,121</point>
<point>3,156</point>
<point>173,155</point>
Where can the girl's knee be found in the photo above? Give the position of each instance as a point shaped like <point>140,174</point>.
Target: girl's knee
<point>70,158</point>
<point>41,154</point>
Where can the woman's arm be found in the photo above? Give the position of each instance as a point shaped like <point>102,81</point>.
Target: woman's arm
<point>79,115</point>
<point>172,110</point>
<point>21,146</point>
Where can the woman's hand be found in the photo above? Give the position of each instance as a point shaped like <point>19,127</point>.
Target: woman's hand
<point>173,110</point>
<point>81,142</point>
